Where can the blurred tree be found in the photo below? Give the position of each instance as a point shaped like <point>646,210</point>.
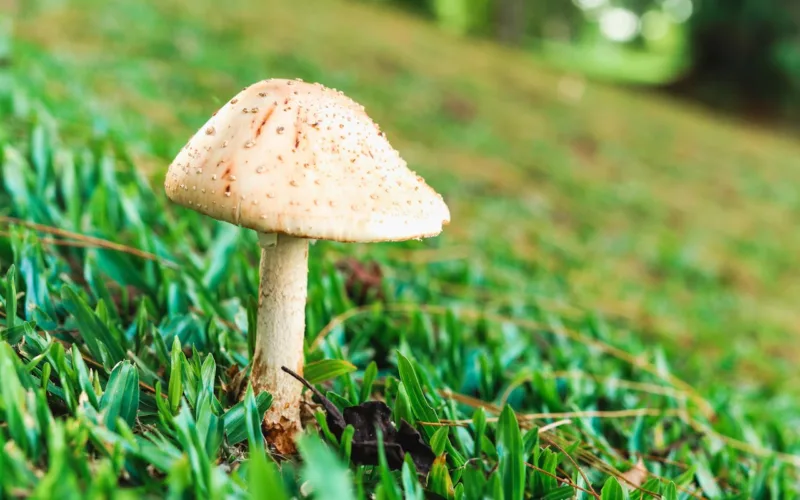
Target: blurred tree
<point>466,17</point>
<point>746,54</point>
<point>511,21</point>
<point>548,19</point>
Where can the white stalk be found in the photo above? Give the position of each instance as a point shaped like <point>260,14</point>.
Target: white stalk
<point>280,333</point>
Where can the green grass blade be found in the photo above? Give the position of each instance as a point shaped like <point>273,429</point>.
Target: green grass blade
<point>103,346</point>
<point>328,477</point>
<point>370,374</point>
<point>326,369</point>
<point>235,421</point>
<point>10,301</point>
<point>439,440</point>
<point>613,491</point>
<point>419,405</point>
<point>121,396</point>
<point>509,447</point>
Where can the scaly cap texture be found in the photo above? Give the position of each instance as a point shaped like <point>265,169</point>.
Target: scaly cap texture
<point>286,156</point>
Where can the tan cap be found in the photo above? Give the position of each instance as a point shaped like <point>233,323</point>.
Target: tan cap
<point>285,156</point>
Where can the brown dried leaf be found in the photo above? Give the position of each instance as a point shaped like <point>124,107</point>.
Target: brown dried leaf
<point>364,280</point>
<point>366,419</point>
<point>636,476</point>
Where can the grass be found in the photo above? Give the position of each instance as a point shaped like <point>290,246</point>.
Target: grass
<point>616,284</point>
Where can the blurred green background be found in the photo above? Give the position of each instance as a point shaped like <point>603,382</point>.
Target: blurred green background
<point>741,56</point>
<point>628,170</point>
<point>632,202</point>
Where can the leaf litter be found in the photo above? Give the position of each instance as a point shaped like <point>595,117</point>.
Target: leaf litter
<point>367,419</point>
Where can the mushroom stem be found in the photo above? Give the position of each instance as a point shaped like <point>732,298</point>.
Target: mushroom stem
<point>280,333</point>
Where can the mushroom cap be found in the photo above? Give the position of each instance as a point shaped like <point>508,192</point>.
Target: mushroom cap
<point>286,156</point>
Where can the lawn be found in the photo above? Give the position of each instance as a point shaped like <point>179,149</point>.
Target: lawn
<point>620,270</point>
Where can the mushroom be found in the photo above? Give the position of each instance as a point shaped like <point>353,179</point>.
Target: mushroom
<point>297,162</point>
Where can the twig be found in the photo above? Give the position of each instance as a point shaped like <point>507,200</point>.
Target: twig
<point>574,462</point>
<point>85,241</point>
<point>636,412</point>
<point>568,482</point>
<point>627,384</point>
<point>553,425</point>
